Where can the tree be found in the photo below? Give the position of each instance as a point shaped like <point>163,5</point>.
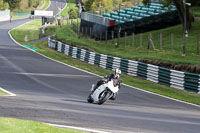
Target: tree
<point>13,4</point>
<point>3,5</point>
<point>181,10</point>
<point>73,13</point>
<point>96,4</point>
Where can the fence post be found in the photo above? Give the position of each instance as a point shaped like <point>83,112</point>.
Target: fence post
<point>133,39</point>
<point>125,38</point>
<point>112,36</point>
<point>197,45</point>
<point>172,42</point>
<point>90,32</point>
<point>106,36</point>
<point>100,35</point>
<point>161,40</point>
<point>150,43</point>
<point>86,31</point>
<point>141,40</point>
<point>82,31</point>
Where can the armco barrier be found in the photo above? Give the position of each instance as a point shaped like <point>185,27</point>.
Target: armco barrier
<point>160,75</point>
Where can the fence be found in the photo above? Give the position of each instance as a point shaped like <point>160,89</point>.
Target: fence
<point>160,75</point>
<point>5,15</point>
<point>166,40</point>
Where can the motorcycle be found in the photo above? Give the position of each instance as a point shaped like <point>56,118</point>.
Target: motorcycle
<point>107,90</point>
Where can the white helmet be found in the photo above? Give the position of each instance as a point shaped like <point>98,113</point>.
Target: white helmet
<point>117,71</point>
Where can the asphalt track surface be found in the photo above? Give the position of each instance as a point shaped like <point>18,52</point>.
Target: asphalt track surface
<point>51,92</point>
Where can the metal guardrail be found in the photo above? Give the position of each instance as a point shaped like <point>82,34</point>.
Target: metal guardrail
<point>172,78</point>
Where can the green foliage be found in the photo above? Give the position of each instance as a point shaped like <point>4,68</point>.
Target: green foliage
<point>3,5</point>
<point>117,2</point>
<point>95,4</point>
<point>13,4</point>
<point>30,2</point>
<point>88,5</point>
<point>73,13</point>
<point>36,3</point>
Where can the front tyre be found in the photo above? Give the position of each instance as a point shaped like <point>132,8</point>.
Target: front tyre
<point>104,96</point>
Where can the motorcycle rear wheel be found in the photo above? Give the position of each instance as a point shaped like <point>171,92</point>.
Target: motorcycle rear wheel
<point>89,99</point>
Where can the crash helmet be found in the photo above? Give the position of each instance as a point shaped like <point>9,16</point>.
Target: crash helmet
<point>117,72</point>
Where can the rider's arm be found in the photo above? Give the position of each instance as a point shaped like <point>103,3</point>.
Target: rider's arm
<point>109,77</point>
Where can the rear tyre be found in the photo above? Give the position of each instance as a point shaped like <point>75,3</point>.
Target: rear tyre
<point>89,99</point>
<point>104,96</point>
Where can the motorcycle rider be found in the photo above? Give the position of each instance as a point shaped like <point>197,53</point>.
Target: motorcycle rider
<point>109,77</point>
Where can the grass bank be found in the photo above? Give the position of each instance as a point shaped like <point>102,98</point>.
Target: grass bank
<point>27,32</point>
<point>128,51</point>
<point>9,125</point>
<point>133,81</point>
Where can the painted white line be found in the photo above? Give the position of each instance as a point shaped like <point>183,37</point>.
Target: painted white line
<point>77,128</point>
<point>62,8</point>
<point>10,93</point>
<point>96,74</point>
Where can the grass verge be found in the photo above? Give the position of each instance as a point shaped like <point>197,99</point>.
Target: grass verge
<point>133,81</point>
<point>31,30</point>
<point>128,51</point>
<point>9,125</point>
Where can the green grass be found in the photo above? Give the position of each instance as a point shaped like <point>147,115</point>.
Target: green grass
<point>32,30</point>
<point>9,125</point>
<point>129,51</point>
<point>196,11</point>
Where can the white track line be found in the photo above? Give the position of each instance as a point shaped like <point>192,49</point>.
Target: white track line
<point>77,128</point>
<point>10,93</point>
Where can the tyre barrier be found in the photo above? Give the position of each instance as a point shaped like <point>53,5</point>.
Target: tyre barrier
<point>172,78</point>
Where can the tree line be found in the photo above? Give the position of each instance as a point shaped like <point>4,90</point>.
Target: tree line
<point>15,4</point>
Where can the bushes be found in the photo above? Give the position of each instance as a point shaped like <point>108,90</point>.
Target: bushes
<point>33,3</point>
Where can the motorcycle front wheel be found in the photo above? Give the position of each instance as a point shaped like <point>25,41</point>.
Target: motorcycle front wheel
<point>104,96</point>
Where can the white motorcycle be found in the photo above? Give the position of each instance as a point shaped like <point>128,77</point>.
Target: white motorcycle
<point>107,90</point>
